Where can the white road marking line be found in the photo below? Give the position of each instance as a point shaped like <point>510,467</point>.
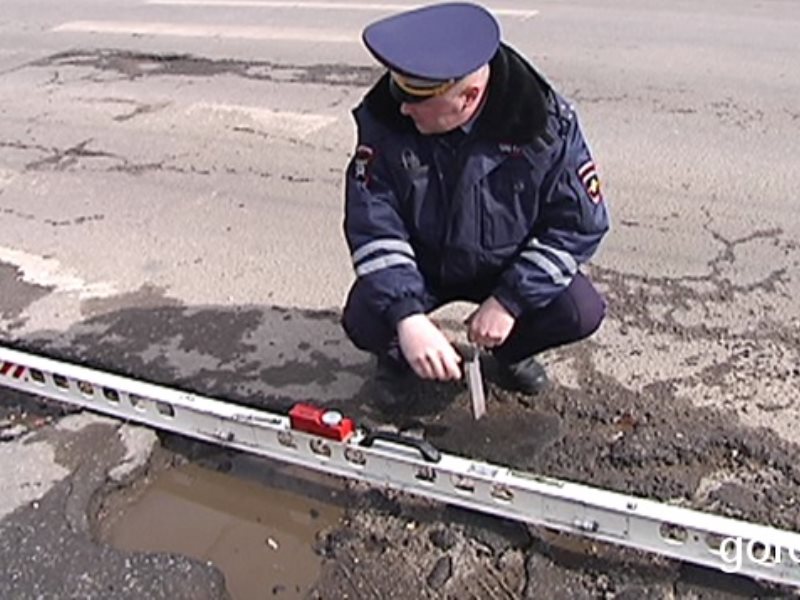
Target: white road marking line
<point>48,272</point>
<point>508,12</point>
<point>280,122</point>
<point>218,31</point>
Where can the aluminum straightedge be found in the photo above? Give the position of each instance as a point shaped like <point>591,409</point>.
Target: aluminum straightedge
<point>413,467</point>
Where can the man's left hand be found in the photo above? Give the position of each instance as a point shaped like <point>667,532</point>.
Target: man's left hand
<point>490,325</point>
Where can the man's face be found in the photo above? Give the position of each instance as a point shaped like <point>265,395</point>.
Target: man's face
<point>438,114</point>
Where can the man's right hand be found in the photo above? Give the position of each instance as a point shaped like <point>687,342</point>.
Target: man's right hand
<point>427,350</point>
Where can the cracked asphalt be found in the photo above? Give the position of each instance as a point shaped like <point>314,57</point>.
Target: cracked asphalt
<point>170,208</point>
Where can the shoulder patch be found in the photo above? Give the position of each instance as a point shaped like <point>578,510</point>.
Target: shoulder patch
<point>587,173</point>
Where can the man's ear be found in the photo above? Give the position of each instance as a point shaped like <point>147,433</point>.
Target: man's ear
<point>472,93</point>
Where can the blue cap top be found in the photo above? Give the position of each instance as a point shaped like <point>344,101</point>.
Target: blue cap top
<point>438,43</point>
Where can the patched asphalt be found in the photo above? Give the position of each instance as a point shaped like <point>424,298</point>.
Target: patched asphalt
<point>47,547</point>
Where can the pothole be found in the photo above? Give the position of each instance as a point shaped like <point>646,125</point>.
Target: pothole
<point>257,525</point>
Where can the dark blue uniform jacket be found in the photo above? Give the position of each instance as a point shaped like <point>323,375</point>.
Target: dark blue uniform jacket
<point>511,213</point>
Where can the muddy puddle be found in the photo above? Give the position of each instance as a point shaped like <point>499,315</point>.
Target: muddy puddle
<point>253,522</point>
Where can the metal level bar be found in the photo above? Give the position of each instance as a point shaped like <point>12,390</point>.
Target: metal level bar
<point>706,539</point>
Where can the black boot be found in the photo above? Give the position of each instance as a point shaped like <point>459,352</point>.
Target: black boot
<point>527,376</point>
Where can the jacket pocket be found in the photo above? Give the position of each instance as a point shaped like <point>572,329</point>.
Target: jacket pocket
<point>507,208</point>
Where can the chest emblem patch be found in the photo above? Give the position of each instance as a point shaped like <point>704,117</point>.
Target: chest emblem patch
<point>511,149</point>
<point>410,160</point>
<point>363,157</point>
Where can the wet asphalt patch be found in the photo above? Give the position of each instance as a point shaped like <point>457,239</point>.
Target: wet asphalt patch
<point>134,65</point>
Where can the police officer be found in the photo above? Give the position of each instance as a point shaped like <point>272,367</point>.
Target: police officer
<point>471,181</point>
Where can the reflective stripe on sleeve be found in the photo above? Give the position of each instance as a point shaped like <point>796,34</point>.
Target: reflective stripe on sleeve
<point>383,262</point>
<point>548,266</point>
<point>566,259</point>
<point>389,244</point>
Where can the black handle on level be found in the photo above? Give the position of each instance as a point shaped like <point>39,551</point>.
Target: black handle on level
<point>428,451</point>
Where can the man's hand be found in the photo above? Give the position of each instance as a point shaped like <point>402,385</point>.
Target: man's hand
<point>490,324</point>
<point>427,350</point>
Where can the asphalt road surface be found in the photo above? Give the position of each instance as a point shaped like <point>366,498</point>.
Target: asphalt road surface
<point>171,200</point>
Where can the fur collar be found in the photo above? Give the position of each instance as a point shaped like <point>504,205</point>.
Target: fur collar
<point>515,110</point>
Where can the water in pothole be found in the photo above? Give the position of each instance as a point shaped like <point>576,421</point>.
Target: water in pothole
<point>256,522</point>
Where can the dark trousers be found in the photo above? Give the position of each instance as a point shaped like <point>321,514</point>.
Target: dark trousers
<point>573,315</point>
